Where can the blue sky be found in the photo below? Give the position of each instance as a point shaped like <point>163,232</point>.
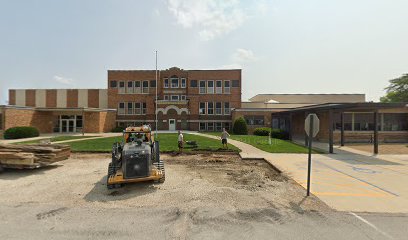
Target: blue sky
<point>283,46</point>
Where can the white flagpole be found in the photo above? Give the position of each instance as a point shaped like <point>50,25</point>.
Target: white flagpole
<point>157,83</point>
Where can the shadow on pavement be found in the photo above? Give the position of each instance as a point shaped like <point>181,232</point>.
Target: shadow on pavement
<point>13,174</point>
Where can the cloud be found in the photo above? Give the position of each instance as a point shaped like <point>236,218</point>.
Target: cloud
<point>243,55</point>
<point>63,80</point>
<point>213,18</point>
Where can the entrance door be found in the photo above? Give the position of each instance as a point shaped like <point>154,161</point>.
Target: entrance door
<point>67,125</point>
<point>172,124</point>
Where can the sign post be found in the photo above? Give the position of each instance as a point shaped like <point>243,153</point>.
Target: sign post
<point>312,123</point>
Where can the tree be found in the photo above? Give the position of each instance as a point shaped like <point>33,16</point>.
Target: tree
<point>240,127</point>
<point>397,91</point>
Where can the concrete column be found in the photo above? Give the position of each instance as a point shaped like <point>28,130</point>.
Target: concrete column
<point>342,129</point>
<point>330,131</point>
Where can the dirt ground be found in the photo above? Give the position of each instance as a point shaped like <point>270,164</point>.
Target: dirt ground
<point>199,189</point>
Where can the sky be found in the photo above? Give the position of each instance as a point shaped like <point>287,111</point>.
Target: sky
<point>282,46</point>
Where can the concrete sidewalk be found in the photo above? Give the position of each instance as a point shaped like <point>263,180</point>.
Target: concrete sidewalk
<point>346,181</point>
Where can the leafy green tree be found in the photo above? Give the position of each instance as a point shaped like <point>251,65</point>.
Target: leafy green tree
<point>240,127</point>
<point>397,91</point>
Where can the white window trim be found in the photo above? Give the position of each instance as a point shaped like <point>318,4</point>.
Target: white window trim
<point>164,83</point>
<point>229,109</point>
<point>213,108</point>
<point>137,89</point>
<point>139,108</point>
<point>218,90</point>
<point>229,88</point>
<point>199,108</point>
<point>133,108</point>
<point>171,98</point>
<point>199,87</point>
<point>124,109</point>
<point>143,88</point>
<point>171,83</point>
<point>129,90</point>
<point>185,82</point>
<point>213,87</point>
<point>205,126</point>
<point>122,90</point>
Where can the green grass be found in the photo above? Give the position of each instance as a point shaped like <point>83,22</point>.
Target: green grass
<point>168,143</point>
<point>261,142</point>
<point>55,139</point>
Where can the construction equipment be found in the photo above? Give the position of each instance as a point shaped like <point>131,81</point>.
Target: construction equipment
<point>135,159</point>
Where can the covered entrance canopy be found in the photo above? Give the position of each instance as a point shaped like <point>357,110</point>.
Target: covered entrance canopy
<point>356,122</point>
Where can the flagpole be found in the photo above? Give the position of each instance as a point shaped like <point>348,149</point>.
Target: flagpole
<point>157,83</point>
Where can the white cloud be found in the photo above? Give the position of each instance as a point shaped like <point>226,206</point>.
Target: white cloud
<point>243,55</point>
<point>213,18</point>
<point>63,80</point>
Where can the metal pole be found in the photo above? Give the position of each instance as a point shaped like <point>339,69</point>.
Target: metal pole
<point>157,83</point>
<point>375,132</point>
<point>342,129</point>
<point>309,165</point>
<point>330,131</point>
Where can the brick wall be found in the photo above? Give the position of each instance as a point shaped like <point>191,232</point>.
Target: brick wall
<point>28,117</point>
<point>51,98</point>
<point>12,97</point>
<point>72,98</point>
<point>30,98</point>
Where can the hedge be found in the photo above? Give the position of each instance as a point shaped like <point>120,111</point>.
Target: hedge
<point>276,133</point>
<point>118,129</point>
<point>240,127</point>
<point>21,132</point>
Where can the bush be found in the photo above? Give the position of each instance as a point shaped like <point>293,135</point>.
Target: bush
<point>21,132</point>
<point>264,131</point>
<point>240,127</point>
<point>118,129</point>
<point>275,133</point>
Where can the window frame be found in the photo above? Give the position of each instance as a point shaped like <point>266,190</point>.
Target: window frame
<point>120,111</point>
<point>210,88</point>
<point>205,126</point>
<point>200,108</point>
<point>202,88</point>
<point>129,90</point>
<point>218,111</point>
<point>145,89</point>
<point>122,90</point>
<point>208,108</point>
<point>171,82</point>
<point>171,98</point>
<point>131,108</point>
<point>166,97</point>
<point>218,90</point>
<point>193,82</point>
<point>166,83</point>
<point>183,97</point>
<point>227,90</point>
<point>137,110</point>
<point>227,110</point>
<point>113,82</point>
<point>208,126</point>
<point>183,80</point>
<point>135,88</point>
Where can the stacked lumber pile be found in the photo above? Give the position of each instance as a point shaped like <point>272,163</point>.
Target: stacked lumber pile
<point>32,156</point>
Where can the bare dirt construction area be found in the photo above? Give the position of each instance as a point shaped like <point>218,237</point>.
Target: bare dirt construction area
<point>203,197</point>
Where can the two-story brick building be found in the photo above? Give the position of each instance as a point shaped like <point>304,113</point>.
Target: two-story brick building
<point>186,100</point>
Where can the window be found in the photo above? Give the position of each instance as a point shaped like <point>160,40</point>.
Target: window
<point>218,87</point>
<point>202,126</point>
<point>166,83</point>
<point>129,108</point>
<point>254,120</point>
<point>129,87</point>
<point>210,126</point>
<point>202,87</point>
<point>183,97</point>
<point>227,126</point>
<point>202,108</point>
<point>78,121</point>
<point>218,126</point>
<point>210,87</point>
<point>395,121</point>
<point>218,108</point>
<point>137,88</point>
<point>174,97</point>
<point>152,83</point>
<point>166,97</point>
<point>193,83</point>
<point>210,108</point>
<point>113,84</point>
<point>174,82</point>
<point>145,87</point>
<point>227,109</point>
<point>363,122</point>
<point>227,88</point>
<point>144,109</point>
<point>121,108</point>
<point>235,83</point>
<point>137,109</point>
<point>183,83</point>
<point>122,87</point>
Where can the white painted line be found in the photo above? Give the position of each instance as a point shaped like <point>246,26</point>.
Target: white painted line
<point>371,225</point>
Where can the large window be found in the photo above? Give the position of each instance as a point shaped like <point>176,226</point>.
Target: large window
<point>129,87</point>
<point>218,108</point>
<point>137,88</point>
<point>145,86</point>
<point>254,120</point>
<point>227,87</point>
<point>174,82</point>
<point>122,88</point>
<point>210,110</point>
<point>227,109</point>
<point>210,87</point>
<point>183,83</point>
<point>218,86</point>
<point>121,108</point>
<point>202,87</point>
<point>202,108</point>
<point>395,121</point>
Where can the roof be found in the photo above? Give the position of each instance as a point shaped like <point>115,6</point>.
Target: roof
<point>308,98</point>
<point>354,106</point>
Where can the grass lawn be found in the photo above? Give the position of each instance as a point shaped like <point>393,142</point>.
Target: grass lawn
<point>55,139</point>
<point>261,142</point>
<point>168,143</point>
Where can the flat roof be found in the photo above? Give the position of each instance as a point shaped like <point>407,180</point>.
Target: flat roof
<point>361,105</point>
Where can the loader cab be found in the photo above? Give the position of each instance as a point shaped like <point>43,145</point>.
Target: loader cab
<point>138,134</point>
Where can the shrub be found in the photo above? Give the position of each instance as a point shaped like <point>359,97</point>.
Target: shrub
<point>118,129</point>
<point>21,132</point>
<point>280,134</point>
<point>264,131</point>
<point>240,127</point>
